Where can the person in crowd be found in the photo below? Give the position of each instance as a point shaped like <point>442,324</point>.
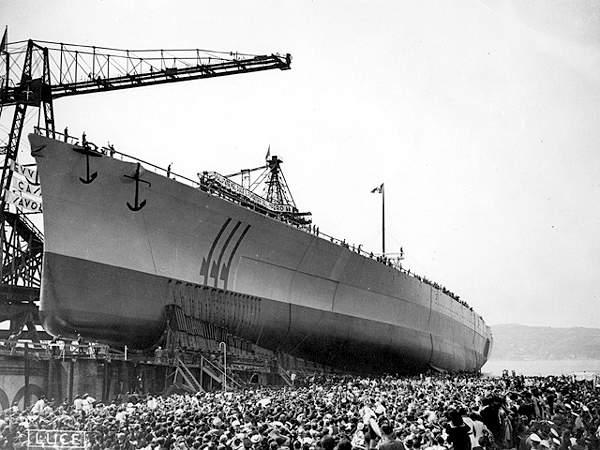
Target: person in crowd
<point>458,431</point>
<point>388,438</point>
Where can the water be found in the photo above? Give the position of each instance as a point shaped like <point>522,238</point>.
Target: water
<point>542,367</point>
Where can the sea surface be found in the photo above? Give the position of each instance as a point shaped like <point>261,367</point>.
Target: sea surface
<point>542,367</point>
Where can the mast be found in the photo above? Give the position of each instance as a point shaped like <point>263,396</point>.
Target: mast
<point>382,220</point>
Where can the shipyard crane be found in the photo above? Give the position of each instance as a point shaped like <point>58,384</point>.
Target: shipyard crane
<point>34,73</point>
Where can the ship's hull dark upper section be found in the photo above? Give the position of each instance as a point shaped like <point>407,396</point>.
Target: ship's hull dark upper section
<point>109,272</point>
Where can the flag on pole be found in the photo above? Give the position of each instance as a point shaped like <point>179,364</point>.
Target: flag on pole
<point>378,189</point>
<point>4,42</point>
<point>268,152</point>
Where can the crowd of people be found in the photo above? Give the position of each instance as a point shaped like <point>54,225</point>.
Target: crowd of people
<point>335,413</point>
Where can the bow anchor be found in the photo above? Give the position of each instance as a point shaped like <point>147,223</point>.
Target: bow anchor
<point>88,151</point>
<point>137,205</point>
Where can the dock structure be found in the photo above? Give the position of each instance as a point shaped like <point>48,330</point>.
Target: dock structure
<point>63,370</point>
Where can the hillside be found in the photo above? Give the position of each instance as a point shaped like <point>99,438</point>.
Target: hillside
<point>520,342</point>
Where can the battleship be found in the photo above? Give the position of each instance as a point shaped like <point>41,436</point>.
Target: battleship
<point>125,241</point>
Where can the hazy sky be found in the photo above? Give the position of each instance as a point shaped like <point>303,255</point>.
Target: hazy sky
<point>481,117</point>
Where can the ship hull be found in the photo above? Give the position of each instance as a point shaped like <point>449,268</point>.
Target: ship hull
<point>109,273</point>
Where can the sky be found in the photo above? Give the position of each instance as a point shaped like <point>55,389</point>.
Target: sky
<point>481,117</point>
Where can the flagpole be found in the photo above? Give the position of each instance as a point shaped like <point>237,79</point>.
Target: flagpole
<point>383,220</point>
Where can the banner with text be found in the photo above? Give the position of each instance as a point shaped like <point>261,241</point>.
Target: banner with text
<point>21,183</point>
<point>25,201</point>
<point>29,172</point>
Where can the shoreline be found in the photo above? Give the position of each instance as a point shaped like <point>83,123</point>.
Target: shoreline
<point>541,367</point>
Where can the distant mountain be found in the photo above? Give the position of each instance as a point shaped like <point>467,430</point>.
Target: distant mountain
<point>520,342</point>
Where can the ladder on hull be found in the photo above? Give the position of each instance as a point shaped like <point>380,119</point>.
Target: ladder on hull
<point>176,334</point>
